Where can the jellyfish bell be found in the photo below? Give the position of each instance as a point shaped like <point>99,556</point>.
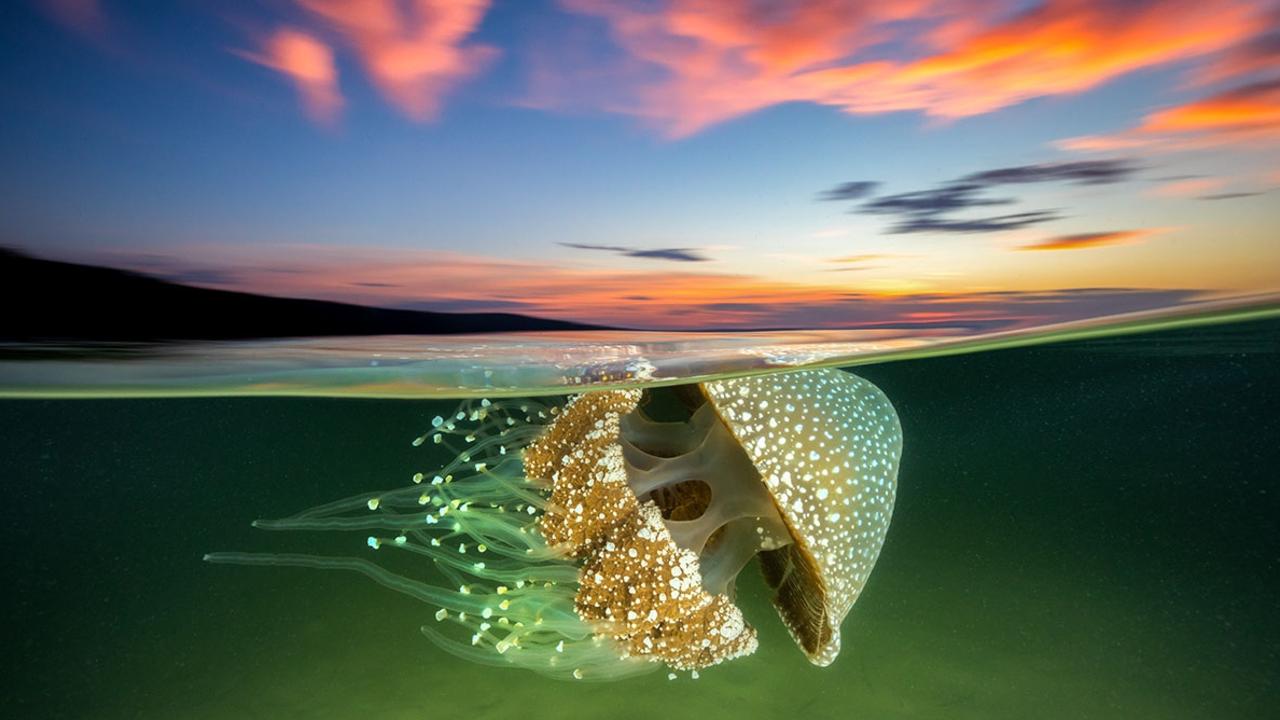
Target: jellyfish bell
<point>826,444</point>
<point>599,540</point>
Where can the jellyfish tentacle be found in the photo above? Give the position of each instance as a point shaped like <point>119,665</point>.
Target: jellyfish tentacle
<point>381,521</point>
<point>348,504</point>
<point>476,520</point>
<point>420,590</point>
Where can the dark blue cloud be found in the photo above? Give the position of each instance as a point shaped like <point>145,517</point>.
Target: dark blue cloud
<point>677,254</point>
<point>934,210</point>
<point>947,198</point>
<point>1229,195</point>
<point>997,223</point>
<point>465,305</point>
<point>1081,172</point>
<point>201,276</point>
<point>853,190</point>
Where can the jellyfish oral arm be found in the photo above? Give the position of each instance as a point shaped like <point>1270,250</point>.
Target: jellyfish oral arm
<point>713,500</point>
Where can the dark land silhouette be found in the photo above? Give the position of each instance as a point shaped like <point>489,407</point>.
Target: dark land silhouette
<point>55,300</point>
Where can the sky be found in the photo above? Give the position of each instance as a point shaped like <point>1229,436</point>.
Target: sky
<point>657,164</point>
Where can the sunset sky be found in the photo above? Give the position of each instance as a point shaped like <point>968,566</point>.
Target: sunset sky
<point>979,164</point>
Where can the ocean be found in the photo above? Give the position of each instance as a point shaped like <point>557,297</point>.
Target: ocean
<point>1083,529</point>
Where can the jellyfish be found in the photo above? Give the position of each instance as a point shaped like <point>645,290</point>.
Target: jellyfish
<point>603,538</point>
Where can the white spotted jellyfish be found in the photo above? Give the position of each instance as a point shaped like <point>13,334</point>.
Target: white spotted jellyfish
<point>595,541</point>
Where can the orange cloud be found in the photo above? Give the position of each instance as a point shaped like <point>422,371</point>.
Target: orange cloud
<point>1258,55</point>
<point>308,63</point>
<point>1241,110</point>
<point>415,51</point>
<point>719,60</point>
<point>1248,115</point>
<point>1089,240</point>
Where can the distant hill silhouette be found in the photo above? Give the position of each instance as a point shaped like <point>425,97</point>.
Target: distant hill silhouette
<point>53,300</point>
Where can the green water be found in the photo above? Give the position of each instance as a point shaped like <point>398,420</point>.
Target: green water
<point>1083,530</point>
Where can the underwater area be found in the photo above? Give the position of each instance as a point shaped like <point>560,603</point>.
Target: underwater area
<point>1082,529</point>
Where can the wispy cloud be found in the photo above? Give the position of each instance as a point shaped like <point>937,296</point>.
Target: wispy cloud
<point>862,258</point>
<point>933,210</point>
<point>1189,187</point>
<point>1246,115</point>
<point>1240,112</point>
<point>860,262</point>
<point>1093,239</point>
<point>711,61</point>
<point>677,254</point>
<point>1081,172</point>
<point>935,201</point>
<point>309,65</point>
<point>1230,195</point>
<point>204,276</point>
<point>991,223</point>
<point>466,305</point>
<point>1259,54</point>
<point>414,51</point>
<point>853,190</point>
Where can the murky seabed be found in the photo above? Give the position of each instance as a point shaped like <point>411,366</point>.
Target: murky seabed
<point>1082,531</point>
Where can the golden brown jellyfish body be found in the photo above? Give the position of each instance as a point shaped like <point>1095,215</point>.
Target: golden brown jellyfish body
<point>610,538</point>
<point>638,584</point>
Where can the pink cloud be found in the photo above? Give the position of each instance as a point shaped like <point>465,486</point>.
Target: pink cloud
<point>711,61</point>
<point>415,52</point>
<point>309,64</point>
<point>1190,187</point>
<point>1256,56</point>
<point>1246,115</point>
